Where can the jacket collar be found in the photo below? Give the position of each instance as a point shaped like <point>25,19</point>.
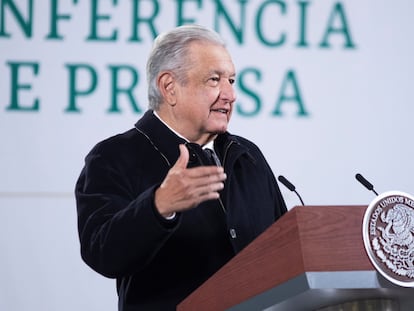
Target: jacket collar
<point>160,136</point>
<point>166,141</point>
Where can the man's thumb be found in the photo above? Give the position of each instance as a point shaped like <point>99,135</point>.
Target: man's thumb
<point>182,160</point>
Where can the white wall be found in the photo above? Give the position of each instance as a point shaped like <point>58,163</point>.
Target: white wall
<point>358,101</point>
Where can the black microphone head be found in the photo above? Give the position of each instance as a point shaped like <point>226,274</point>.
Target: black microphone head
<point>365,182</point>
<point>290,186</point>
<point>286,183</point>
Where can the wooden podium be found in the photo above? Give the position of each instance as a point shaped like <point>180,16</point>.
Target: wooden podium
<point>311,258</point>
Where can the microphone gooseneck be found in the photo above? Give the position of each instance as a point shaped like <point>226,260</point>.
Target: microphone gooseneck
<point>365,183</point>
<point>290,186</point>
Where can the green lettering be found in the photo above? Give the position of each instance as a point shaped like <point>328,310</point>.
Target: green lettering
<point>343,29</point>
<point>221,11</point>
<point>54,18</point>
<point>295,97</point>
<point>25,25</point>
<point>74,91</point>
<point>249,92</point>
<point>95,18</point>
<point>15,87</point>
<point>260,19</point>
<point>137,20</point>
<point>302,24</point>
<point>116,90</point>
<point>181,20</point>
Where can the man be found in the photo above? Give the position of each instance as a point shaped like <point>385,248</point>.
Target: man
<point>155,211</point>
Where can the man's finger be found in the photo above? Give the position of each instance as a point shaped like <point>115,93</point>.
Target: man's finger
<point>182,160</point>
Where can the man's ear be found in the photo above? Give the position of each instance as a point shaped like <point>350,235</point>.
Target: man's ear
<point>166,85</point>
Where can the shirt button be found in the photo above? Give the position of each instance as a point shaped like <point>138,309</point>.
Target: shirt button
<point>233,233</point>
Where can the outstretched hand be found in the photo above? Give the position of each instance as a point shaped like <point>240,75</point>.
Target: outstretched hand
<point>184,188</point>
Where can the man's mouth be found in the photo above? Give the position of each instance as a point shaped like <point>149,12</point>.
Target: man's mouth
<point>225,111</point>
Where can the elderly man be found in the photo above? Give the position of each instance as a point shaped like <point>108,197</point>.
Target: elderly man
<point>164,205</point>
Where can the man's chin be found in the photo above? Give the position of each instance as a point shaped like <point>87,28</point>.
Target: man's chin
<point>218,127</point>
<point>220,130</point>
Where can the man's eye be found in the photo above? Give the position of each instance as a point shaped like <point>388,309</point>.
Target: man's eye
<point>231,81</point>
<point>215,79</point>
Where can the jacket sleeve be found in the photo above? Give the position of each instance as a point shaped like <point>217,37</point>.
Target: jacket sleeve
<point>279,204</point>
<point>119,233</point>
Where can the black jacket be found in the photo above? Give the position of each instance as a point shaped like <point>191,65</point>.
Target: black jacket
<point>158,262</point>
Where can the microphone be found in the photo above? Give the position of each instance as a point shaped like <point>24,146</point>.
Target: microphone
<point>365,182</point>
<point>290,186</point>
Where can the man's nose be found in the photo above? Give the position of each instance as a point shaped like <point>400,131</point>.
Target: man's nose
<point>228,92</point>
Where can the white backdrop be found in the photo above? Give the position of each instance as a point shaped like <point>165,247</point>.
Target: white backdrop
<point>358,100</point>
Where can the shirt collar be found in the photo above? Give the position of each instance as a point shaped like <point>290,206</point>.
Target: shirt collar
<point>171,129</point>
<point>209,145</point>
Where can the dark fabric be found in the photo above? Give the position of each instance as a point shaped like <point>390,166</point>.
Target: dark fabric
<point>158,262</point>
<point>212,157</point>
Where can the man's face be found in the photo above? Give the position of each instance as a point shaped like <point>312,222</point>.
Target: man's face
<point>205,102</point>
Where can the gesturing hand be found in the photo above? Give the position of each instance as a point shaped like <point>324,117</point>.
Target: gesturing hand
<point>184,188</point>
